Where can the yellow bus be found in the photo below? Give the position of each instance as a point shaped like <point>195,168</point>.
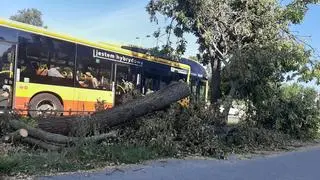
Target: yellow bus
<point>42,71</point>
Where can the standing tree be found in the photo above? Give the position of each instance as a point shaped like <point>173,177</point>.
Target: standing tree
<point>246,41</point>
<point>29,16</point>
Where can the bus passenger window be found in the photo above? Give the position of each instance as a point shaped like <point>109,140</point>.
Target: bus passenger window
<point>45,60</point>
<point>149,85</point>
<point>92,72</point>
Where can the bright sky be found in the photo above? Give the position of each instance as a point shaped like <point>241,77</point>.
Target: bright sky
<point>309,30</point>
<point>121,21</point>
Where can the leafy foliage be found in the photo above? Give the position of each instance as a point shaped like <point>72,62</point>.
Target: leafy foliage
<point>4,124</point>
<point>30,16</point>
<point>197,131</point>
<point>173,132</point>
<point>245,138</point>
<point>292,110</point>
<point>242,36</point>
<point>166,52</point>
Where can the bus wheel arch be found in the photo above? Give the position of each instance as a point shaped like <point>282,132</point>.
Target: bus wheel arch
<point>45,103</point>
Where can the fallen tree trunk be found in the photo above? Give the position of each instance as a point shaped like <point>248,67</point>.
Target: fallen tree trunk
<point>56,138</point>
<point>121,114</point>
<point>40,134</point>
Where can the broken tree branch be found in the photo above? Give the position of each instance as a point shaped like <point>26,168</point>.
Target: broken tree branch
<point>15,136</point>
<point>57,138</point>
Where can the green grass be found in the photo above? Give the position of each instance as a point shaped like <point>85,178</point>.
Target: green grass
<point>113,153</point>
<point>35,163</point>
<point>77,158</point>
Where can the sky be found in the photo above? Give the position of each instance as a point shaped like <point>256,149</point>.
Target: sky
<point>309,30</point>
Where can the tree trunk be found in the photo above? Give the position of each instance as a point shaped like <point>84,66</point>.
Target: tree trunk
<point>56,139</point>
<point>41,144</point>
<point>215,80</point>
<point>40,134</point>
<point>15,136</point>
<point>118,115</point>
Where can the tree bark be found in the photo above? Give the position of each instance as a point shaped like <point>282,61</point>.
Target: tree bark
<point>215,80</point>
<point>56,139</point>
<point>41,144</point>
<point>121,114</point>
<point>40,134</point>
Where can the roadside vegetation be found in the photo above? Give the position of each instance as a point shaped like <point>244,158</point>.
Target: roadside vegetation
<point>288,118</point>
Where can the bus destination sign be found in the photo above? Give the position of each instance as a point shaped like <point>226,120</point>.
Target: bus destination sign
<point>116,57</point>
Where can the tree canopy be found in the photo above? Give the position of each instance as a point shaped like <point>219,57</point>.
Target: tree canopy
<point>30,16</point>
<point>247,43</point>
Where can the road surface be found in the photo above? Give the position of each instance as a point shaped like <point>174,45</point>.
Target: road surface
<point>299,165</point>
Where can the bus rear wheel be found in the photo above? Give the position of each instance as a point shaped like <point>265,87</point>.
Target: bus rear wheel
<point>45,105</point>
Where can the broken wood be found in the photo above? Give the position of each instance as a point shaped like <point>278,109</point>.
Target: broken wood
<point>15,136</point>
<point>121,114</point>
<point>41,144</point>
<point>57,138</point>
<point>40,134</point>
<point>46,140</point>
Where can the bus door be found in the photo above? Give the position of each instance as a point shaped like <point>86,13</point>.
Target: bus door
<point>127,79</point>
<point>7,63</point>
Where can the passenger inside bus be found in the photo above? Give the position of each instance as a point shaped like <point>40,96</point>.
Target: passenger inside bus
<point>91,79</point>
<point>88,80</point>
<point>54,72</point>
<point>41,71</point>
<point>70,75</point>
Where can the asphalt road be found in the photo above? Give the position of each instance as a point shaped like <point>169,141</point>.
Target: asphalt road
<point>299,165</point>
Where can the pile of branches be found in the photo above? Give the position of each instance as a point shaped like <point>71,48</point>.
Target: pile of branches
<point>57,133</point>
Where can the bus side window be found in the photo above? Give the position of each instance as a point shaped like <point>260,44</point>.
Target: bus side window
<point>93,73</point>
<point>149,85</point>
<point>152,83</point>
<point>62,57</point>
<point>46,60</point>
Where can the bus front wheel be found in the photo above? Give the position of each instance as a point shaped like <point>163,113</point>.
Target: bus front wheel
<point>45,104</point>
